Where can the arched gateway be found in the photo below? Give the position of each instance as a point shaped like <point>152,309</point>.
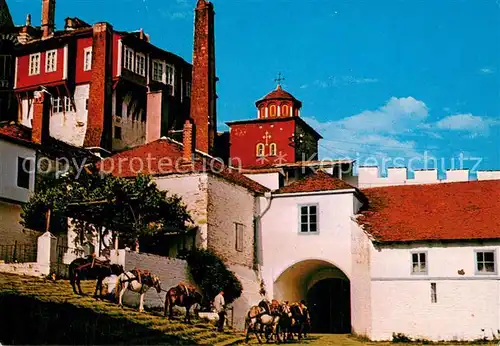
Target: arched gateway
<point>326,290</point>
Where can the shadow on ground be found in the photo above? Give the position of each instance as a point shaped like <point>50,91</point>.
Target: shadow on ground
<point>29,321</point>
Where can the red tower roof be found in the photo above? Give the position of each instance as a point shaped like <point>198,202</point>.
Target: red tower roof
<point>279,94</point>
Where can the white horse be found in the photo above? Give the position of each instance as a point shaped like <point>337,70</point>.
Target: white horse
<point>138,283</point>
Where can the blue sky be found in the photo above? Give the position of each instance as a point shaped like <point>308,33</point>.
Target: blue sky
<point>377,79</point>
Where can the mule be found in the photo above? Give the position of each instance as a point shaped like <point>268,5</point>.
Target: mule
<point>138,282</point>
<point>184,296</point>
<point>265,318</point>
<point>90,268</point>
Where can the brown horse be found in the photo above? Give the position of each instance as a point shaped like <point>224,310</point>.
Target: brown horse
<point>181,295</point>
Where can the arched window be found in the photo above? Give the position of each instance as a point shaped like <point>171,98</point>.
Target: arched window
<point>259,150</point>
<point>272,111</point>
<point>262,112</point>
<point>272,149</point>
<point>285,110</point>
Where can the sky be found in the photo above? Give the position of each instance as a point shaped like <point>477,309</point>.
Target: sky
<point>387,83</point>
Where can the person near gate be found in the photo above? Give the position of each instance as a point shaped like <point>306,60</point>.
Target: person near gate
<point>219,305</point>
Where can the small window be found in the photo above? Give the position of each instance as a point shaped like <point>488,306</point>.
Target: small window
<point>51,61</point>
<point>285,110</point>
<point>433,293</point>
<point>272,111</point>
<point>419,263</point>
<point>87,59</point>
<point>272,149</point>
<point>158,71</point>
<point>308,218</point>
<point>170,72</point>
<point>260,150</point>
<point>262,112</point>
<point>239,236</point>
<point>68,105</point>
<point>34,64</point>
<point>128,62</point>
<point>23,172</point>
<point>118,132</point>
<point>140,64</point>
<point>188,89</point>
<point>86,104</point>
<point>485,262</point>
<point>57,105</point>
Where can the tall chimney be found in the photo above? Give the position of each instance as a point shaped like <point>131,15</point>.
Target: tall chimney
<point>48,17</point>
<point>189,140</point>
<point>203,94</point>
<point>40,122</point>
<point>99,118</point>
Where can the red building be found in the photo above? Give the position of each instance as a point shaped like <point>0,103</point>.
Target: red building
<point>100,83</point>
<point>278,136</point>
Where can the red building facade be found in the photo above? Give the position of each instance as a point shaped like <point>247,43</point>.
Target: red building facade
<point>278,135</point>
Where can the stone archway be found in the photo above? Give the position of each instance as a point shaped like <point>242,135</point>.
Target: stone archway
<point>326,290</point>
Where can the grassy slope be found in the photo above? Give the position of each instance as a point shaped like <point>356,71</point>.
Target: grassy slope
<point>39,311</point>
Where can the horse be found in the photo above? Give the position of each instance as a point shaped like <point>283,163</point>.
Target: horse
<point>91,268</point>
<point>184,296</point>
<point>137,282</point>
<point>263,317</point>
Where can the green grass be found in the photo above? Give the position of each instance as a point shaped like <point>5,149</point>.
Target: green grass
<point>40,311</point>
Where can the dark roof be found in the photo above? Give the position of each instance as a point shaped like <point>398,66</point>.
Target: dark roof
<point>6,22</point>
<point>279,94</point>
<point>164,157</point>
<point>52,148</point>
<point>319,181</point>
<point>446,211</point>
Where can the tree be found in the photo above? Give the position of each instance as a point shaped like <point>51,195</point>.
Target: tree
<point>132,208</point>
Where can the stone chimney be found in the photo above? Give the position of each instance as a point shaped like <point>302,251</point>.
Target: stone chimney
<point>203,94</point>
<point>40,122</point>
<point>189,140</point>
<point>99,123</point>
<point>48,17</point>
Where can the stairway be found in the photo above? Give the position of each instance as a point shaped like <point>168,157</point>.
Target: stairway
<point>47,307</point>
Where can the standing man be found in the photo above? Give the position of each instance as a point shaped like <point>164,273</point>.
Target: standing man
<point>220,309</point>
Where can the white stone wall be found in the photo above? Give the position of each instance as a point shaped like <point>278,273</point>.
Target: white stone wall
<point>9,153</point>
<point>194,192</point>
<point>26,108</point>
<point>249,297</point>
<point>370,177</point>
<point>70,127</point>
<point>269,180</point>
<point>171,271</point>
<point>401,301</point>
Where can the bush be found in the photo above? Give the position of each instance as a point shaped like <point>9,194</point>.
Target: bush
<point>212,276</point>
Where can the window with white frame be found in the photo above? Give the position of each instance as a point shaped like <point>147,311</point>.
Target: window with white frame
<point>68,105</point>
<point>308,222</point>
<point>51,61</point>
<point>5,69</point>
<point>128,62</point>
<point>485,262</point>
<point>419,263</point>
<point>140,64</point>
<point>188,89</point>
<point>238,227</point>
<point>158,70</point>
<point>34,64</point>
<point>57,104</point>
<point>170,74</point>
<point>87,59</point>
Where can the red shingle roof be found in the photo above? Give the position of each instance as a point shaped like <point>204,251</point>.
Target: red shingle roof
<point>279,93</point>
<point>16,132</point>
<point>164,156</point>
<point>319,181</point>
<point>449,211</point>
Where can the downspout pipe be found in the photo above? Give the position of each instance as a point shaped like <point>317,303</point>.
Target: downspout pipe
<point>269,197</point>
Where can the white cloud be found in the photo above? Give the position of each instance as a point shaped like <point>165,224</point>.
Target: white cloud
<point>475,125</point>
<point>487,70</point>
<point>334,81</point>
<point>304,86</point>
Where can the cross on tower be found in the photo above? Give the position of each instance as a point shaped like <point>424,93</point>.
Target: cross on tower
<point>279,79</point>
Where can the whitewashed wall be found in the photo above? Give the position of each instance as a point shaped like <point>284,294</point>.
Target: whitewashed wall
<point>269,180</point>
<point>466,304</point>
<point>26,108</point>
<point>9,152</point>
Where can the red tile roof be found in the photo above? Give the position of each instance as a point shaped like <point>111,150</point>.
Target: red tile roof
<point>447,211</point>
<point>164,156</point>
<point>319,181</point>
<point>15,132</point>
